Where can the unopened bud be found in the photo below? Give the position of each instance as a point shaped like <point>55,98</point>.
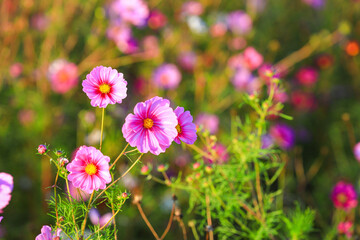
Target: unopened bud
<point>189,179</point>
<point>145,170</point>
<point>162,168</point>
<point>124,195</point>
<point>197,176</point>
<point>58,153</point>
<point>196,165</point>
<point>208,169</point>
<point>63,161</point>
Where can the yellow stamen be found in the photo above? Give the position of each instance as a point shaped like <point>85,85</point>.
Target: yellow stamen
<point>148,123</point>
<point>178,128</point>
<point>104,88</point>
<point>342,198</point>
<point>91,169</point>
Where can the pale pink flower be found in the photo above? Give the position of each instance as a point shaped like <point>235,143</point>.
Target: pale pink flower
<point>135,12</point>
<point>63,76</point>
<point>167,76</point>
<point>345,228</point>
<point>97,219</point>
<point>192,8</point>
<point>46,234</point>
<point>6,187</point>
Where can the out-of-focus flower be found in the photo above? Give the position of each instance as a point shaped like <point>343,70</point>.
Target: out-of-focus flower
<point>152,127</point>
<point>89,170</point>
<point>218,153</point>
<point>77,193</point>
<point>42,149</point>
<point>182,160</point>
<point>344,196</point>
<point>357,151</point>
<point>97,219</point>
<point>197,25</point>
<point>315,3</point>
<point>283,135</point>
<point>187,60</point>
<point>252,58</point>
<point>239,22</point>
<point>151,46</point>
<point>104,85</point>
<point>63,76</point>
<point>39,21</point>
<point>26,117</point>
<point>345,228</point>
<point>46,234</point>
<point>267,73</point>
<point>280,95</point>
<point>192,8</point>
<point>266,141</point>
<point>243,80</point>
<point>352,48</point>
<point>237,43</point>
<point>123,38</point>
<point>6,187</point>
<point>324,61</point>
<point>156,19</point>
<point>145,170</point>
<point>307,76</point>
<point>257,5</point>
<point>16,70</point>
<point>167,76</point>
<point>135,12</point>
<point>218,29</point>
<point>208,122</point>
<point>186,128</point>
<point>303,101</point>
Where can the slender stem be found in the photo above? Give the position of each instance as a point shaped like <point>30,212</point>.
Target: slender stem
<point>193,229</point>
<point>118,157</point>
<point>258,187</point>
<point>114,221</point>
<point>170,222</point>
<point>208,214</point>
<point>147,221</point>
<point>115,181</point>
<point>102,126</point>
<point>56,209</point>
<point>167,179</point>
<point>197,149</point>
<point>107,223</point>
<point>86,214</point>
<point>70,199</point>
<point>182,225</point>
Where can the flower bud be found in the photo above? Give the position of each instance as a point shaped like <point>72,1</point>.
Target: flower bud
<point>145,170</point>
<point>196,165</point>
<point>42,149</point>
<point>63,161</point>
<point>189,179</point>
<point>58,153</point>
<point>124,195</point>
<point>162,168</point>
<point>197,176</point>
<point>208,169</point>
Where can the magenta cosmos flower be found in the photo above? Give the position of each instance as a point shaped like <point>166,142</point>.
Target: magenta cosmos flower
<point>167,76</point>
<point>345,228</point>
<point>104,86</point>
<point>186,128</point>
<point>135,12</point>
<point>46,233</point>
<point>344,196</point>
<point>152,127</point>
<point>63,76</point>
<point>6,187</point>
<point>307,76</point>
<point>89,170</point>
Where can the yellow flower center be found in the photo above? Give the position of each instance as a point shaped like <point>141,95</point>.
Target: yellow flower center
<point>91,169</point>
<point>178,128</point>
<point>104,88</point>
<point>148,123</point>
<point>342,198</point>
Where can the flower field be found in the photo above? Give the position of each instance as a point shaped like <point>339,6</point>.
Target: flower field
<point>206,119</point>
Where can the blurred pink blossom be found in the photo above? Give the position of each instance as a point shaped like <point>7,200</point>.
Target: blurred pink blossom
<point>218,153</point>
<point>167,76</point>
<point>357,151</point>
<point>156,19</point>
<point>303,100</point>
<point>218,29</point>
<point>97,219</point>
<point>135,12</point>
<point>122,36</point>
<point>283,135</point>
<point>345,228</point>
<point>63,76</point>
<point>208,122</point>
<point>192,8</point>
<point>307,76</point>
<point>16,70</point>
<point>187,60</point>
<point>239,22</point>
<point>344,196</point>
<point>252,58</point>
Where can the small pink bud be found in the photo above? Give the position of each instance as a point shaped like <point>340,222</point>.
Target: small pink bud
<point>124,195</point>
<point>196,165</point>
<point>145,170</point>
<point>63,161</point>
<point>42,149</point>
<point>197,175</point>
<point>189,179</point>
<point>162,168</point>
<point>59,153</point>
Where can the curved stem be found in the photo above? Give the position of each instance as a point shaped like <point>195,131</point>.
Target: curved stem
<point>169,223</point>
<point>146,220</point>
<point>86,214</point>
<point>114,221</point>
<point>56,209</point>
<point>208,214</point>
<point>118,157</point>
<point>102,127</point>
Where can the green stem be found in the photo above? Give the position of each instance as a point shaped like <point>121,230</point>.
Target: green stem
<point>86,214</point>
<point>102,126</point>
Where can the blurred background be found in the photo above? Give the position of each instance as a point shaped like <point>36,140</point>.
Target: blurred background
<point>203,55</point>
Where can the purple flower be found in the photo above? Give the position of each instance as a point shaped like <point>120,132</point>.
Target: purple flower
<point>123,38</point>
<point>208,122</point>
<point>344,196</point>
<point>167,76</point>
<point>135,12</point>
<point>186,128</point>
<point>218,153</point>
<point>266,141</point>
<point>46,233</point>
<point>283,135</point>
<point>104,85</point>
<point>239,22</point>
<point>187,60</point>
<point>315,3</point>
<point>357,151</point>
<point>97,219</point>
<point>152,127</point>
<point>6,187</point>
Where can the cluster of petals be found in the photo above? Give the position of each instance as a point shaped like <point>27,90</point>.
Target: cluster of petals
<point>63,76</point>
<point>134,12</point>
<point>89,170</point>
<point>345,228</point>
<point>104,85</point>
<point>6,187</point>
<point>186,128</point>
<point>239,22</point>
<point>123,38</point>
<point>152,127</point>
<point>46,234</point>
<point>344,196</point>
<point>167,76</point>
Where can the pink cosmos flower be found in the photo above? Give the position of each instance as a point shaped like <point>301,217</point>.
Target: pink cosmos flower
<point>97,219</point>
<point>345,228</point>
<point>63,76</point>
<point>344,196</point>
<point>152,127</point>
<point>156,19</point>
<point>167,76</point>
<point>135,12</point>
<point>186,128</point>
<point>16,70</point>
<point>307,76</point>
<point>104,86</point>
<point>218,29</point>
<point>218,153</point>
<point>89,170</point>
<point>42,149</point>
<point>357,151</point>
<point>252,58</point>
<point>283,135</point>
<point>208,122</point>
<point>46,234</point>
<point>187,60</point>
<point>192,8</point>
<point>242,78</point>
<point>123,38</point>
<point>239,22</point>
<point>6,187</point>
